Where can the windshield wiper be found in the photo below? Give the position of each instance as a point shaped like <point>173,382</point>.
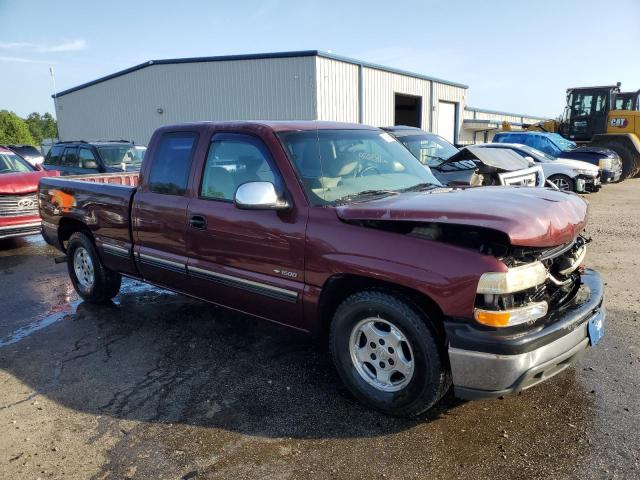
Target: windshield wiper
<point>438,158</point>
<point>419,187</point>
<point>365,193</point>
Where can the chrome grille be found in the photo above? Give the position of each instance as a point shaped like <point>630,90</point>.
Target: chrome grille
<point>18,205</point>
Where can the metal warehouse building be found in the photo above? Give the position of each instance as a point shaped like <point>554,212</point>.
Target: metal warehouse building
<point>304,85</point>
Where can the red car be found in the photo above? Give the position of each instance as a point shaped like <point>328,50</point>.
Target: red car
<point>18,195</point>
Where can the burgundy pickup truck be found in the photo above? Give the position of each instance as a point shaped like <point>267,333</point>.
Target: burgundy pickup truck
<point>337,229</point>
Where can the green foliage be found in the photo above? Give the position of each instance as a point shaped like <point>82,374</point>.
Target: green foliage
<point>13,129</point>
<point>42,126</point>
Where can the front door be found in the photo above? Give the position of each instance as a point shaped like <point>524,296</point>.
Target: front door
<point>249,260</point>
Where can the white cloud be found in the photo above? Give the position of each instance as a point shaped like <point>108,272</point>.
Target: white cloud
<point>23,60</point>
<point>70,46</point>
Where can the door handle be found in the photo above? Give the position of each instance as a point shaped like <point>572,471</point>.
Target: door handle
<point>198,222</point>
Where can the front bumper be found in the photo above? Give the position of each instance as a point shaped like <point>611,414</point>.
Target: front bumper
<point>485,364</point>
<point>20,229</point>
<point>609,176</point>
<point>587,184</point>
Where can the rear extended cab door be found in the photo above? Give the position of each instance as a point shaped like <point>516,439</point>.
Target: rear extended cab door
<point>248,260</point>
<point>159,211</point>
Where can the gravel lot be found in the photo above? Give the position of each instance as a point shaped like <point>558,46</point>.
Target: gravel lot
<point>157,386</point>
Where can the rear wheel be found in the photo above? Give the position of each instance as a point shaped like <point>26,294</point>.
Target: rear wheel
<point>563,183</point>
<point>388,354</point>
<point>91,279</point>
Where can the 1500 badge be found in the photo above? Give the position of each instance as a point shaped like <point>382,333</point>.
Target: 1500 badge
<point>285,273</point>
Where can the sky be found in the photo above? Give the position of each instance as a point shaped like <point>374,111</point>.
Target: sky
<point>515,56</point>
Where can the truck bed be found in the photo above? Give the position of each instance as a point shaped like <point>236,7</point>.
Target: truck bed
<point>101,202</point>
<point>124,178</point>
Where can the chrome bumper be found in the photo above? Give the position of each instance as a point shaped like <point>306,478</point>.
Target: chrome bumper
<point>19,230</point>
<point>479,374</point>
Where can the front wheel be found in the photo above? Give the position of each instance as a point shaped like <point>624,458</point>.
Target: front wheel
<point>387,354</point>
<point>91,279</point>
<point>562,182</point>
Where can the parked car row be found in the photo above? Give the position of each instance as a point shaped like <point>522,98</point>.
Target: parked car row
<point>339,230</point>
<point>488,163</point>
<point>558,147</point>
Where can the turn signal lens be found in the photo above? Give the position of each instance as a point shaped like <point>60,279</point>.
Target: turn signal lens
<point>508,318</point>
<point>513,280</point>
<point>492,319</point>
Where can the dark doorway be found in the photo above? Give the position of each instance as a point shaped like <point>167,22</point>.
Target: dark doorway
<point>407,110</point>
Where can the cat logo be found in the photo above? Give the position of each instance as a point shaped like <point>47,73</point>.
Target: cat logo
<point>619,122</point>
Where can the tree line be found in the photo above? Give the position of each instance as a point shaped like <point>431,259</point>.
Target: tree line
<point>27,131</point>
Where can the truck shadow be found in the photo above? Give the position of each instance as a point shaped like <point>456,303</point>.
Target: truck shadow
<point>158,357</point>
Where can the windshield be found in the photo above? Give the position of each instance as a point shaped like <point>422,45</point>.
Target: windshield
<point>535,152</point>
<point>124,157</point>
<point>12,163</point>
<point>561,142</point>
<point>337,165</point>
<point>431,150</point>
<point>27,151</point>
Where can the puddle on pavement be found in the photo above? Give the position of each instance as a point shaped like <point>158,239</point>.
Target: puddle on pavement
<point>68,306</point>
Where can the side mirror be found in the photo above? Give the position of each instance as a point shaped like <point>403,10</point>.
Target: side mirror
<point>90,164</point>
<point>259,196</point>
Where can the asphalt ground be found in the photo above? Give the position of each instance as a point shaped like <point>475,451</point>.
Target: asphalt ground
<point>159,386</point>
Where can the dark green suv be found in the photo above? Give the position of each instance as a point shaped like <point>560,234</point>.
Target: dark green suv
<point>80,157</point>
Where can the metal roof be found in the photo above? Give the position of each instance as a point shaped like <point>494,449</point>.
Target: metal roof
<point>498,112</point>
<point>257,56</point>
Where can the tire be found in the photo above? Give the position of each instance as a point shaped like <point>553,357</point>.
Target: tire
<point>91,279</point>
<point>420,354</point>
<point>564,183</point>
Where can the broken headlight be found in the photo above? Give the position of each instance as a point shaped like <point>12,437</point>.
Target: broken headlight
<point>513,280</point>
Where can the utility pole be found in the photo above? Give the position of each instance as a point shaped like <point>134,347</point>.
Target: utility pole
<point>53,79</point>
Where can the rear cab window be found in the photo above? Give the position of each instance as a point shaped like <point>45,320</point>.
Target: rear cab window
<point>54,155</point>
<point>169,174</point>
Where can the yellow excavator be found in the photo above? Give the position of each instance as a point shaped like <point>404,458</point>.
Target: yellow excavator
<point>603,117</point>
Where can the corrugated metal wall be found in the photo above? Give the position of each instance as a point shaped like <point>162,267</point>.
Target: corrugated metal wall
<point>337,93</point>
<point>337,90</point>
<point>379,102</point>
<point>127,106</point>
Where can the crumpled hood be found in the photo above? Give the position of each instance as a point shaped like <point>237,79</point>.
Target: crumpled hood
<point>500,158</point>
<point>533,217</point>
<point>21,183</point>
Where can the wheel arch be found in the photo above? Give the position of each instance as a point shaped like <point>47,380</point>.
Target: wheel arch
<point>69,226</point>
<point>630,140</point>
<point>340,286</point>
